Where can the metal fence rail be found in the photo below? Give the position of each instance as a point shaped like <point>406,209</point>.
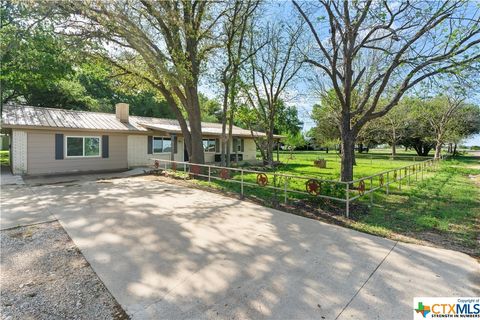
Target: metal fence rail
<point>344,192</point>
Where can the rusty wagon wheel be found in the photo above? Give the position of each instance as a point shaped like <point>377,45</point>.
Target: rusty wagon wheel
<point>224,174</point>
<point>313,187</point>
<point>156,164</point>
<point>262,179</point>
<point>361,187</point>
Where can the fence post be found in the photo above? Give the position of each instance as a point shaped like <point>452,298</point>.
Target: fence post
<point>348,200</point>
<point>371,192</point>
<point>409,170</point>
<point>388,182</point>
<point>416,174</point>
<point>241,184</point>
<point>400,180</point>
<point>423,168</point>
<point>184,171</point>
<point>285,189</point>
<point>209,173</point>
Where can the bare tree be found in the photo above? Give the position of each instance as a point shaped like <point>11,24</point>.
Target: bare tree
<point>270,71</point>
<point>238,19</point>
<point>379,50</point>
<point>166,43</point>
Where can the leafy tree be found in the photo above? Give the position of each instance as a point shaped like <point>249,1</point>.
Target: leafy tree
<point>32,59</point>
<point>162,43</point>
<point>293,141</point>
<point>375,50</point>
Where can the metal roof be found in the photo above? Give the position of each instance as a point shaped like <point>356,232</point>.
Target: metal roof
<point>20,116</point>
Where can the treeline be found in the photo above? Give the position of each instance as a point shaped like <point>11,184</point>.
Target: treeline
<point>420,124</point>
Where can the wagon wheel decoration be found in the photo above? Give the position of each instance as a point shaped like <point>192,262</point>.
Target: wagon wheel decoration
<point>156,164</point>
<point>194,170</point>
<point>313,187</point>
<point>361,187</point>
<point>262,179</point>
<point>380,178</point>
<point>224,174</point>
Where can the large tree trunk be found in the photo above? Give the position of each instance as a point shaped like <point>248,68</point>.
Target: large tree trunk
<point>224,138</point>
<point>195,121</point>
<point>347,157</point>
<point>394,150</point>
<point>455,149</point>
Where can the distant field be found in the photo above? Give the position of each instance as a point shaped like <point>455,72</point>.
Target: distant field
<point>301,163</point>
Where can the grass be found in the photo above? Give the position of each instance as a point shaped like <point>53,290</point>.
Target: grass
<point>443,209</point>
<point>4,158</point>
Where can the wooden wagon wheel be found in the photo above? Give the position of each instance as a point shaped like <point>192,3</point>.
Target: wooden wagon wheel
<point>361,187</point>
<point>224,174</point>
<point>381,180</point>
<point>156,164</point>
<point>262,179</point>
<point>313,187</point>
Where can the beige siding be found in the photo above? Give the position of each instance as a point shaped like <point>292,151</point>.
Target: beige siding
<point>41,154</point>
<point>250,150</point>
<point>138,148</point>
<point>19,151</point>
<point>179,155</point>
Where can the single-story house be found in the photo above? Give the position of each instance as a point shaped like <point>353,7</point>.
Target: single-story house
<point>49,140</point>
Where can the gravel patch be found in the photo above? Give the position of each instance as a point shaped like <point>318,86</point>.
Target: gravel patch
<point>43,275</point>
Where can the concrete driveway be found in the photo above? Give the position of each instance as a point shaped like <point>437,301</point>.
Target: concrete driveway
<point>169,252</point>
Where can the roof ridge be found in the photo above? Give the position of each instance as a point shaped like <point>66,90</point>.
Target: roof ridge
<point>103,113</point>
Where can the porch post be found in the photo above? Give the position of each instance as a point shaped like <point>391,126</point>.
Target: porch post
<point>172,149</point>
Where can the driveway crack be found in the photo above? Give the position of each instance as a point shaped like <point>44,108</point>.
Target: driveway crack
<point>371,274</point>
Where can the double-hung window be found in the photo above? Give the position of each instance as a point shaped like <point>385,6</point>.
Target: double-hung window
<point>83,146</point>
<point>162,145</point>
<point>209,145</point>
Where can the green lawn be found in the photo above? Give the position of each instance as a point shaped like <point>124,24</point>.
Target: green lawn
<point>444,209</point>
<point>4,158</point>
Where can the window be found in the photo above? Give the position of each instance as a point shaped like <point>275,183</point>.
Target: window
<point>83,146</point>
<point>209,145</point>
<point>162,145</point>
<point>237,145</point>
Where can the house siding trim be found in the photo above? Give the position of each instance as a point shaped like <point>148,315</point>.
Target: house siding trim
<point>19,152</point>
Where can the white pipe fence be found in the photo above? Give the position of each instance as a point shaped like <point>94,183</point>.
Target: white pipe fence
<point>345,192</point>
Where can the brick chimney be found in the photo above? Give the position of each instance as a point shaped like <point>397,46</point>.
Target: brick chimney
<point>121,111</point>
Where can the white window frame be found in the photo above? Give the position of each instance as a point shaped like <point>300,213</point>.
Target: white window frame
<point>83,147</point>
<point>168,138</point>
<point>210,139</point>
